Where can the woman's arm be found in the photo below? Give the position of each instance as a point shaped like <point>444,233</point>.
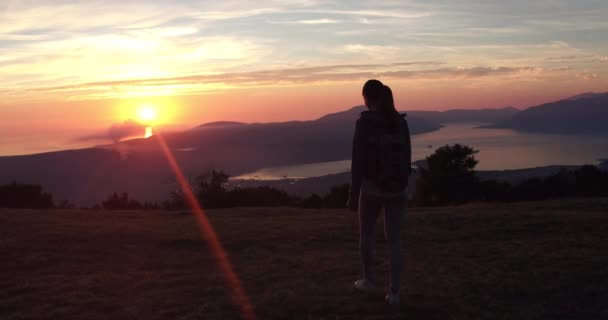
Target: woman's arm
<point>408,142</point>
<point>356,172</point>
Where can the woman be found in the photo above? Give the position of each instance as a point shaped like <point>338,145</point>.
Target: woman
<point>379,175</point>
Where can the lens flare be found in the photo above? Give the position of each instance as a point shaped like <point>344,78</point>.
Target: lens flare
<point>239,296</point>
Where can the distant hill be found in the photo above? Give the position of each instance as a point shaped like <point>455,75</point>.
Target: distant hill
<point>463,115</point>
<point>586,95</point>
<point>582,114</point>
<point>219,124</point>
<point>449,116</point>
<point>139,167</point>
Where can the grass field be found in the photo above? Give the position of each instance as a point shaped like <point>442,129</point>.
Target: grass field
<point>539,260</point>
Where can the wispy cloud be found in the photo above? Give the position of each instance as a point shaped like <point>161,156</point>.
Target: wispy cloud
<point>587,76</point>
<point>401,14</point>
<point>562,58</point>
<point>373,51</point>
<point>197,84</point>
<point>320,21</point>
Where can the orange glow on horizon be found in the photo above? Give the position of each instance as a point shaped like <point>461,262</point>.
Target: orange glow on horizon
<point>149,111</point>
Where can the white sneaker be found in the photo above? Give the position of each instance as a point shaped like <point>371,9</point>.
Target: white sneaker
<point>365,286</point>
<point>392,298</point>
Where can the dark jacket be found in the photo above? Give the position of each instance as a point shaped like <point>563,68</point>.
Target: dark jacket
<point>369,125</point>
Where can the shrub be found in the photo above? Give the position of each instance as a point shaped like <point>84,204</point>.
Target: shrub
<point>120,202</point>
<point>16,195</point>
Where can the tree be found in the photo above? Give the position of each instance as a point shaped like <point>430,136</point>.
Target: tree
<point>177,200</point>
<point>211,189</point>
<point>121,201</point>
<point>449,176</point>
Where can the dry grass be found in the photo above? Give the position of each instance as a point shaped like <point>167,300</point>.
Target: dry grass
<point>542,260</point>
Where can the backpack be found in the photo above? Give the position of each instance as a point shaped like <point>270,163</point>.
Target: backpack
<point>389,158</point>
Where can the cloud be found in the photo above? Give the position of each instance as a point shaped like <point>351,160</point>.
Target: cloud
<point>234,14</point>
<point>604,59</point>
<point>587,76</point>
<point>562,58</point>
<point>556,44</point>
<point>185,47</point>
<point>197,84</point>
<point>118,132</point>
<point>262,76</point>
<point>400,14</point>
<point>413,63</point>
<point>317,21</point>
<point>461,73</point>
<point>372,50</point>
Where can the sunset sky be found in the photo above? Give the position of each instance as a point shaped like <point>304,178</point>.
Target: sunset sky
<point>73,68</point>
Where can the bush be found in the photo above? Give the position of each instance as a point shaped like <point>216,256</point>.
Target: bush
<point>591,182</point>
<point>337,197</point>
<point>313,201</point>
<point>495,191</point>
<point>65,204</point>
<point>256,197</point>
<point>120,202</point>
<point>586,181</point>
<point>16,195</point>
<point>530,189</point>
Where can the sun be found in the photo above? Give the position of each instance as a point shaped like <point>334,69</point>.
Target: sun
<point>147,114</point>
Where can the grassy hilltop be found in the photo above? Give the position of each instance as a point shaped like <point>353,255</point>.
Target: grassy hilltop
<point>537,260</point>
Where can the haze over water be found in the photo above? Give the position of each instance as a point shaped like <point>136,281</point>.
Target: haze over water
<point>499,149</point>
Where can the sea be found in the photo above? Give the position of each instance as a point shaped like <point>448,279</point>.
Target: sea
<point>498,149</point>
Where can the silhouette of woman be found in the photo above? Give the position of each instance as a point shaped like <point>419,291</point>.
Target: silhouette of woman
<point>379,176</point>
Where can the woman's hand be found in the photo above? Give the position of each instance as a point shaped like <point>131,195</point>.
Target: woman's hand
<point>352,204</point>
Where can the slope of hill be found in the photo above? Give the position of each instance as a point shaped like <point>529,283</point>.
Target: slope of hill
<point>449,116</point>
<point>540,260</point>
<point>140,168</point>
<point>219,124</point>
<point>582,114</point>
<point>457,115</point>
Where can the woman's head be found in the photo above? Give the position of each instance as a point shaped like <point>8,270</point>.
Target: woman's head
<point>373,90</point>
<point>379,97</point>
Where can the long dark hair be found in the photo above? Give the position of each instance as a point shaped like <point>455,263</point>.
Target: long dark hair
<point>375,90</point>
<point>387,107</point>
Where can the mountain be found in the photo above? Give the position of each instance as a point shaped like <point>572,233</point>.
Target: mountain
<point>585,95</point>
<point>582,114</point>
<point>449,116</point>
<point>219,124</point>
<point>463,115</point>
<point>140,168</point>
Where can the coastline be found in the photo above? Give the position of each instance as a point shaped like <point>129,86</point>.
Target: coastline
<point>322,184</point>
